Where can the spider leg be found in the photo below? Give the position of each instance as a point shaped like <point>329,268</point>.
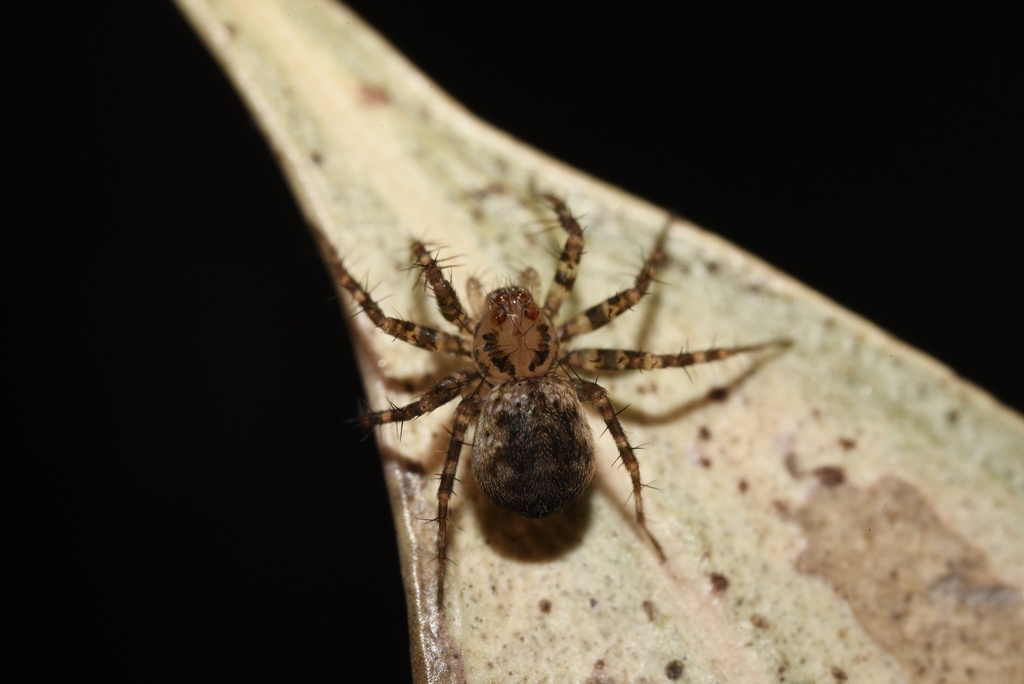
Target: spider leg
<point>568,260</point>
<point>464,415</point>
<point>477,296</point>
<point>597,396</point>
<point>434,398</point>
<point>447,298</point>
<point>601,314</point>
<point>529,279</point>
<point>406,331</point>
<point>624,359</point>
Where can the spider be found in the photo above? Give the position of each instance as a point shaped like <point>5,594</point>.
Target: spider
<point>533,449</point>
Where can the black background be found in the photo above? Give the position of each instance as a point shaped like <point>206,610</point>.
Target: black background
<point>206,511</point>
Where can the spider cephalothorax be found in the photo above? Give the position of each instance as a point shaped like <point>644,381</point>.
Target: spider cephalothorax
<point>514,338</point>
<point>533,450</point>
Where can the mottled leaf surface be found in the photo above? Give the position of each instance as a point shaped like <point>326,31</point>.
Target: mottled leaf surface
<point>845,509</point>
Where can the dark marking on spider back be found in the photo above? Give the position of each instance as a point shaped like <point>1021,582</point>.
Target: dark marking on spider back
<point>533,453</point>
<point>514,339</point>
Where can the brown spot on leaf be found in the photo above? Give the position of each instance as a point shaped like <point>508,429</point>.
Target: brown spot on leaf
<point>793,465</point>
<point>598,676</point>
<point>374,95</point>
<point>674,670</point>
<point>830,476</point>
<point>718,394</point>
<point>922,592</point>
<point>719,582</point>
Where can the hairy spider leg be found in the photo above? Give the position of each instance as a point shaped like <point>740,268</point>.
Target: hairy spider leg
<point>447,298</point>
<point>434,398</point>
<point>466,412</point>
<point>624,359</point>
<point>597,396</point>
<point>568,260</point>
<point>602,314</point>
<point>413,333</point>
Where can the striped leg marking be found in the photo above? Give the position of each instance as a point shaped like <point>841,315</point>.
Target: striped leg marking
<point>623,359</point>
<point>406,331</point>
<point>597,396</point>
<point>464,415</point>
<point>601,314</point>
<point>568,260</point>
<point>447,298</point>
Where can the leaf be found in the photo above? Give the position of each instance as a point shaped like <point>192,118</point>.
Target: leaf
<point>845,508</point>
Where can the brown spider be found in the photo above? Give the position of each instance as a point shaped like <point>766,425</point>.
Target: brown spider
<point>533,450</point>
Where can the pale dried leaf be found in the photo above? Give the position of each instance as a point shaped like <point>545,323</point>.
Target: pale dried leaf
<point>848,508</point>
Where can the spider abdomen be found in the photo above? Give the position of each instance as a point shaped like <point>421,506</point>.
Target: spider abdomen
<point>533,453</point>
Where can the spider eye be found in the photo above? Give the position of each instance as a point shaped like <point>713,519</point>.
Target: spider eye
<point>499,304</point>
<point>531,311</point>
